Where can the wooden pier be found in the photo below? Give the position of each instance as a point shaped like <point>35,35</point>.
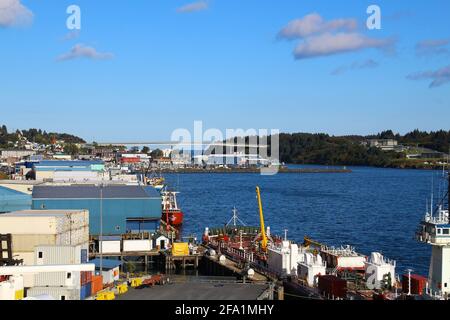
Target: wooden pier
<point>183,262</point>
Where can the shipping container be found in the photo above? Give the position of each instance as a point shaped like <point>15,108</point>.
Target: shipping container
<point>110,246</point>
<point>58,293</point>
<point>56,254</point>
<point>43,221</point>
<point>137,245</point>
<point>69,279</point>
<point>86,277</point>
<point>97,284</point>
<point>86,291</point>
<point>418,284</point>
<point>332,286</point>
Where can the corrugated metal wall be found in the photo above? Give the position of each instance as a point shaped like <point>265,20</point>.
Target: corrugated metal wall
<point>115,211</point>
<point>56,293</point>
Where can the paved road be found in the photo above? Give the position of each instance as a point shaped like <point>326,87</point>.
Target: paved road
<point>197,291</point>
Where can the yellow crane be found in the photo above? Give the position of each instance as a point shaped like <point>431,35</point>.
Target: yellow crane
<point>307,242</point>
<point>264,240</point>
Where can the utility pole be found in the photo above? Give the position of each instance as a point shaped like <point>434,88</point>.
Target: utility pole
<point>101,228</point>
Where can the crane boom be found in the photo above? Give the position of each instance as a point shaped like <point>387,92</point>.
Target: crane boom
<point>261,218</point>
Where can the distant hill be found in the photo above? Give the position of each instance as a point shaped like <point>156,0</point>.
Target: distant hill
<point>349,150</point>
<point>321,148</point>
<point>36,136</point>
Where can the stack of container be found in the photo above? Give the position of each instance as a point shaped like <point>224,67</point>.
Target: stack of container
<point>86,285</point>
<point>31,228</point>
<point>61,285</point>
<point>97,284</point>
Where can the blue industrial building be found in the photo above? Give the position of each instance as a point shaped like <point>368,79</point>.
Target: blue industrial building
<point>125,208</point>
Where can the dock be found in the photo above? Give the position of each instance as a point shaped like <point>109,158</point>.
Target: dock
<point>202,290</point>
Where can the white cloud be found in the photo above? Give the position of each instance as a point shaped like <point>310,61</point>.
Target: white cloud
<point>439,77</point>
<point>313,24</point>
<point>82,51</point>
<point>193,7</point>
<point>328,44</point>
<point>367,64</point>
<point>432,46</point>
<point>14,13</point>
<point>318,37</point>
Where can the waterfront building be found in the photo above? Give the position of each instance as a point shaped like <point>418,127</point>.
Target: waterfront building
<point>53,169</point>
<point>124,208</point>
<point>383,144</point>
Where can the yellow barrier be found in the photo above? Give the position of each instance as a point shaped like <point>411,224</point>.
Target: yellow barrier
<point>122,288</point>
<point>136,282</point>
<point>107,295</point>
<point>19,295</point>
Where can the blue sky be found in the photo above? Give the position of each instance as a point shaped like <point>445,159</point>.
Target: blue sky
<point>145,68</point>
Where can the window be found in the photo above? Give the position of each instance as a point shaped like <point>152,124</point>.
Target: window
<point>445,231</point>
<point>69,275</point>
<point>445,285</point>
<point>63,297</point>
<point>40,254</point>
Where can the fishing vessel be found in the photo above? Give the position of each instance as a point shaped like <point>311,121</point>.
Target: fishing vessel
<point>171,213</point>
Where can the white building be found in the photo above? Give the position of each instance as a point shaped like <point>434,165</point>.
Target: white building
<point>5,154</point>
<point>383,144</point>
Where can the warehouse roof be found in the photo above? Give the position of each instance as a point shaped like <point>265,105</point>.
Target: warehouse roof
<point>93,192</point>
<point>68,163</point>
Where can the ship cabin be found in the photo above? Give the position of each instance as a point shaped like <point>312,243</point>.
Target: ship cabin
<point>435,229</point>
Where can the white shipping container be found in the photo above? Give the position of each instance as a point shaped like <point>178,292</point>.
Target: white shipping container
<point>57,255</point>
<point>110,246</point>
<point>137,245</point>
<point>27,242</point>
<point>58,293</point>
<point>58,279</point>
<point>43,221</point>
<point>76,218</point>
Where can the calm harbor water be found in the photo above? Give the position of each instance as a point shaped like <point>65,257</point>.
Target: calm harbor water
<point>371,209</point>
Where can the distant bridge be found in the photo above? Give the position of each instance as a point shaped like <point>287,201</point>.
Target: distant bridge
<point>183,144</point>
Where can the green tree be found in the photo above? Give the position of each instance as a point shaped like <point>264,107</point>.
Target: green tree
<point>156,153</point>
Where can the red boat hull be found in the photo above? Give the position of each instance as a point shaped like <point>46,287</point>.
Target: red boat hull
<point>174,218</point>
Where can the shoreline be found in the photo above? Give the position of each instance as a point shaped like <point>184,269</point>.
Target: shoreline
<point>254,171</point>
